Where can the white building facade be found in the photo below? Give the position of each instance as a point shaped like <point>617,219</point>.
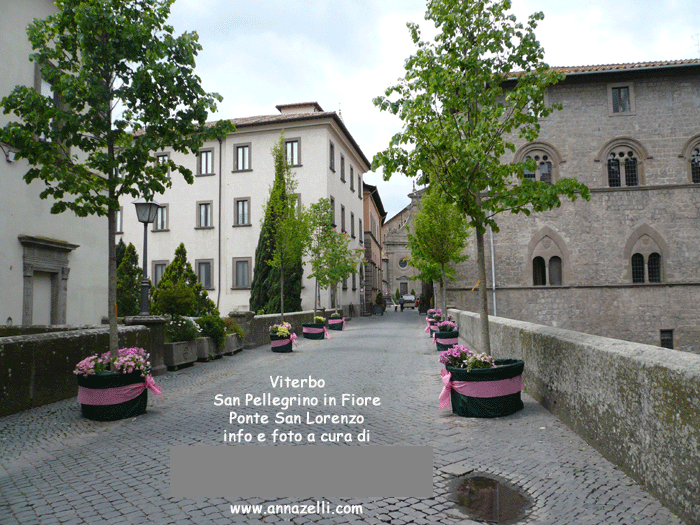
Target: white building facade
<point>218,218</point>
<point>53,268</point>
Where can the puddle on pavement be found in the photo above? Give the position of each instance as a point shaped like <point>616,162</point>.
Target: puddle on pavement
<point>489,500</point>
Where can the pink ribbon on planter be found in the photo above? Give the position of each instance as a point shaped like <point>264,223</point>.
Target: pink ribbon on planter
<point>427,329</point>
<point>501,387</point>
<point>310,330</point>
<point>337,321</point>
<point>121,394</point>
<point>450,341</point>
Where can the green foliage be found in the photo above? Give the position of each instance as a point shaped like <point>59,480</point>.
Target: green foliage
<point>319,319</point>
<point>379,300</point>
<point>121,250</point>
<point>232,327</point>
<point>129,276</point>
<point>281,244</point>
<point>465,98</point>
<point>439,237</point>
<point>332,260</point>
<point>99,55</point>
<point>213,326</point>
<point>180,329</point>
<point>179,292</point>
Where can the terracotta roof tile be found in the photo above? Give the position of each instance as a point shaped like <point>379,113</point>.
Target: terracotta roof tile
<point>626,66</point>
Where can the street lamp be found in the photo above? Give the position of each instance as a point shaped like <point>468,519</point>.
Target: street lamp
<point>146,212</point>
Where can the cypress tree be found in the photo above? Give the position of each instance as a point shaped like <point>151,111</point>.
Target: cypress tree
<point>178,280</point>
<point>129,282</point>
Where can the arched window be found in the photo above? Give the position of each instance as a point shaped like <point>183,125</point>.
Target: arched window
<point>544,169</point>
<point>637,268</point>
<point>695,166</point>
<point>624,162</point>
<point>543,157</point>
<point>654,268</point>
<point>539,272</point>
<point>630,167</point>
<point>555,271</point>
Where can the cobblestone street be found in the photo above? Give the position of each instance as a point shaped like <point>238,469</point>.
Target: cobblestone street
<point>57,467</point>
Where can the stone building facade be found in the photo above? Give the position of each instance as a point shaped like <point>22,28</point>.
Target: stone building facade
<point>371,275</point>
<point>53,268</point>
<point>624,264</point>
<point>218,217</point>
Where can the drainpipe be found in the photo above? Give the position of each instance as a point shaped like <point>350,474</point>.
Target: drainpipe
<point>218,286</point>
<point>493,271</point>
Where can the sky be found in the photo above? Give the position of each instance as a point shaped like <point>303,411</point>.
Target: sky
<point>344,53</point>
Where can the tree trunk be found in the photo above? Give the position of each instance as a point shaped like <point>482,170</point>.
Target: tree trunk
<point>315,295</point>
<point>112,279</point>
<point>282,290</point>
<point>483,304</point>
<point>443,299</point>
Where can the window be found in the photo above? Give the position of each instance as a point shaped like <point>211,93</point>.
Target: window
<point>342,218</point>
<point>695,166</point>
<point>345,283</point>
<point>555,271</point>
<point>666,337</point>
<point>654,268</point>
<point>161,222</point>
<point>331,164</point>
<point>629,164</point>
<point>292,151</point>
<point>242,158</point>
<point>242,212</point>
<point>645,251</point>
<point>354,281</point>
<point>403,262</point>
<point>352,179</point>
<point>120,221</point>
<point>204,272</point>
<point>621,99</point>
<point>162,158</point>
<point>241,272</point>
<point>403,288</point>
<point>543,170</point>
<point>359,229</point>
<point>204,215</point>
<point>539,272</point>
<point>637,268</point>
<point>206,162</point>
<point>158,269</point>
<point>342,169</point>
<point>333,212</point>
<point>352,225</point>
<point>359,186</point>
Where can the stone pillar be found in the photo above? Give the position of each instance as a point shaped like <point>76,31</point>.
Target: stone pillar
<point>156,325</point>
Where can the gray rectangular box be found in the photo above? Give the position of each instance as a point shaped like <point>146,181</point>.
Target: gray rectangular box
<point>301,471</point>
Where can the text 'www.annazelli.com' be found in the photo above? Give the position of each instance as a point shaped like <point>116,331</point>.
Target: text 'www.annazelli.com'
<point>319,508</point>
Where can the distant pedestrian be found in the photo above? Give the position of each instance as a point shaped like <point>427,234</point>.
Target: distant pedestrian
<point>401,302</point>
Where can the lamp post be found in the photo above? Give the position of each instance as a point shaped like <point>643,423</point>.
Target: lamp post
<point>146,212</point>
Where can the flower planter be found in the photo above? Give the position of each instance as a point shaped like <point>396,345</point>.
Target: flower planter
<point>445,340</point>
<point>180,354</point>
<point>484,392</point>
<point>281,344</point>
<point>378,309</point>
<point>206,349</point>
<point>108,396</point>
<point>314,330</point>
<point>431,327</point>
<point>336,323</point>
<point>233,344</point>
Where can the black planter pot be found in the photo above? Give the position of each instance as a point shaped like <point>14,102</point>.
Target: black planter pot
<point>314,327</point>
<point>442,346</point>
<point>282,348</point>
<point>483,402</point>
<point>110,380</point>
<point>337,325</point>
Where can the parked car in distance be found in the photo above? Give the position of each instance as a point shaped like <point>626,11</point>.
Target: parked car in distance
<point>409,301</point>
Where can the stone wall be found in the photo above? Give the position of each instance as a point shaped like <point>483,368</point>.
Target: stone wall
<point>257,329</point>
<point>636,404</point>
<point>38,369</point>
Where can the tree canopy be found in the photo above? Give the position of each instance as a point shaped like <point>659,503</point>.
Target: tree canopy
<point>465,99</point>
<point>440,234</point>
<point>117,85</point>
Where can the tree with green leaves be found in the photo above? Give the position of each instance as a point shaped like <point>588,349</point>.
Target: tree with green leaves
<point>332,259</point>
<point>464,100</point>
<point>440,233</point>
<point>121,85</point>
<point>121,250</point>
<point>282,243</point>
<point>179,291</point>
<point>129,275</point>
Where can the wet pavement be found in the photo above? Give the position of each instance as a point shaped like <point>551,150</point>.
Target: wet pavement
<point>57,467</point>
